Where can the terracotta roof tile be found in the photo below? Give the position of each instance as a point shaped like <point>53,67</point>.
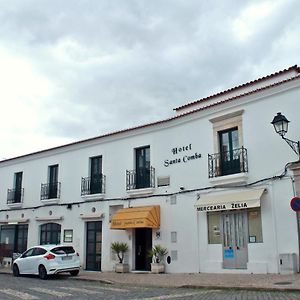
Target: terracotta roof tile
<point>295,68</point>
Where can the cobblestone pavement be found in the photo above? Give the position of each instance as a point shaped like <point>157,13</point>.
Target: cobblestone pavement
<point>62,287</point>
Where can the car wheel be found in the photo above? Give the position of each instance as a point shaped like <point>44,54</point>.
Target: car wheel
<point>74,273</point>
<point>16,271</point>
<point>42,272</point>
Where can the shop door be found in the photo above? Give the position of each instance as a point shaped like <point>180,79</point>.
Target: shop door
<point>235,240</point>
<point>143,244</point>
<point>93,245</point>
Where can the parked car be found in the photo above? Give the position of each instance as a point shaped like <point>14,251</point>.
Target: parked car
<point>47,260</point>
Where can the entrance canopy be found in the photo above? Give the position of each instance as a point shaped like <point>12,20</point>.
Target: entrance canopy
<point>238,200</point>
<point>136,217</point>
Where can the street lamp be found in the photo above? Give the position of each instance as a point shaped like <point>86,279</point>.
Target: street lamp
<point>280,123</point>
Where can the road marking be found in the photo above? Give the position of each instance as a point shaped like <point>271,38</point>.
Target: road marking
<point>17,294</point>
<point>51,292</point>
<point>108,288</point>
<point>169,296</point>
<point>86,291</point>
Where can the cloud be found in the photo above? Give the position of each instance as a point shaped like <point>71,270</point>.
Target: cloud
<point>82,68</point>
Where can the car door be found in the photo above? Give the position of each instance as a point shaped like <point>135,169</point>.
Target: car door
<point>24,261</point>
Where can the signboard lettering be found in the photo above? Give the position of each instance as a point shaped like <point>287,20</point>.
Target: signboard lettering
<point>183,159</point>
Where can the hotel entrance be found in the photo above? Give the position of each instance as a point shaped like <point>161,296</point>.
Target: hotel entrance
<point>143,244</point>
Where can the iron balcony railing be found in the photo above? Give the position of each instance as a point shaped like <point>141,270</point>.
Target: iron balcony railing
<point>227,162</point>
<point>50,190</point>
<point>140,178</point>
<point>93,185</point>
<point>15,196</point>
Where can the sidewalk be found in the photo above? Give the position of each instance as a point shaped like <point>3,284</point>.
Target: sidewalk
<point>202,280</point>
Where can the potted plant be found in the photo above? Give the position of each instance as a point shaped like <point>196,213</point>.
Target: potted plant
<point>158,254</point>
<point>120,249</point>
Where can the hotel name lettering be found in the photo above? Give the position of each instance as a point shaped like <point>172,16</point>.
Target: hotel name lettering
<point>182,154</point>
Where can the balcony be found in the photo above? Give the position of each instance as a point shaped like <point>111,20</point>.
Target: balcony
<point>50,191</point>
<point>142,180</point>
<point>228,163</point>
<point>15,196</point>
<point>93,185</point>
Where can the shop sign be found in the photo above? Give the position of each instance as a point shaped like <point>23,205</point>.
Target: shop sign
<point>226,206</point>
<point>182,155</point>
<point>295,204</point>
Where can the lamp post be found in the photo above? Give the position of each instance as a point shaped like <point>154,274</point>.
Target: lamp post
<point>281,124</point>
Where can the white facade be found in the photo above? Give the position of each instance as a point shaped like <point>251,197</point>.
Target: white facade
<point>179,149</point>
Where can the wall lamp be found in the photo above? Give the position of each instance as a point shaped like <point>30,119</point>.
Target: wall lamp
<point>281,123</point>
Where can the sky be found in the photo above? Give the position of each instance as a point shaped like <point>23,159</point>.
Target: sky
<point>75,69</point>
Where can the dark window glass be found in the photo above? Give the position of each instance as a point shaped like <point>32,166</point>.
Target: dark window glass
<point>50,233</point>
<point>142,167</point>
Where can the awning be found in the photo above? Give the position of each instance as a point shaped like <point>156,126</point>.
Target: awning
<point>136,217</point>
<point>238,200</point>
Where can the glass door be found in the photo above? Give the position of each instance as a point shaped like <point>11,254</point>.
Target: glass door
<point>53,180</point>
<point>96,172</point>
<point>143,167</point>
<point>18,187</point>
<point>93,245</point>
<point>229,145</point>
<point>235,240</point>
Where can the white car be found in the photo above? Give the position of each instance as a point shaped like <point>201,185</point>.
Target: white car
<point>47,260</point>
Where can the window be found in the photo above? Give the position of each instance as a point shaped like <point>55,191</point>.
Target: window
<point>53,181</point>
<point>96,175</point>
<point>173,237</point>
<point>229,151</point>
<point>142,156</point>
<point>39,251</point>
<point>213,223</point>
<point>255,227</point>
<point>15,194</point>
<point>68,235</point>
<point>230,156</point>
<point>50,233</point>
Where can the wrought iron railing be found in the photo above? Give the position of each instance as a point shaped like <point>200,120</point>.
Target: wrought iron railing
<point>140,178</point>
<point>227,162</point>
<point>15,196</point>
<point>50,190</point>
<point>93,185</point>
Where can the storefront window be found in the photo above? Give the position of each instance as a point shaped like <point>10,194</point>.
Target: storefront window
<point>50,233</point>
<point>255,228</point>
<point>213,221</point>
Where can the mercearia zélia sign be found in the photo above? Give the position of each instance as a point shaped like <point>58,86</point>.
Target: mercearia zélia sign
<point>225,206</point>
<point>184,158</point>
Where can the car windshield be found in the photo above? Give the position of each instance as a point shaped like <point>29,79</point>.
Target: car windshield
<point>63,250</point>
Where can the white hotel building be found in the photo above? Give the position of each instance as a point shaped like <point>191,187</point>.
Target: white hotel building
<point>212,184</point>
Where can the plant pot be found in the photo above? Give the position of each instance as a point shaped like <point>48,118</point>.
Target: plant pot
<point>157,268</point>
<point>121,268</point>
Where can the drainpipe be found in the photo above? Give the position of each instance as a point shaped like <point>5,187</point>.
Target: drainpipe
<point>295,168</point>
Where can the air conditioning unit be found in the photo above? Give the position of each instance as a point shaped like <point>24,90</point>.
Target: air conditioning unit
<point>288,263</point>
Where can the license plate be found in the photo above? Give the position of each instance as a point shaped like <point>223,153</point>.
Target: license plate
<point>67,258</point>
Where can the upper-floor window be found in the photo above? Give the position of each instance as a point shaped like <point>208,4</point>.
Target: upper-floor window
<point>15,194</point>
<point>230,155</point>
<point>51,189</point>
<point>95,183</point>
<point>229,151</point>
<point>96,174</point>
<point>142,160</point>
<point>143,176</point>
